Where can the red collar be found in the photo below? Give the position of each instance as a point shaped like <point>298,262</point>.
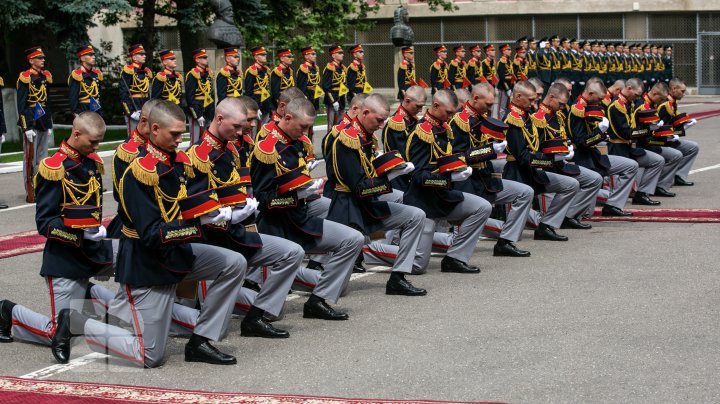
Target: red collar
<point>281,135</point>
<point>517,110</point>
<point>160,155</point>
<point>214,141</point>
<point>544,108</point>
<point>70,151</point>
<point>357,125</point>
<point>432,120</point>
<point>136,136</point>
<point>471,111</point>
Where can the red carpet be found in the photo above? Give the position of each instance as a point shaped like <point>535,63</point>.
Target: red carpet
<point>16,390</point>
<point>663,215</point>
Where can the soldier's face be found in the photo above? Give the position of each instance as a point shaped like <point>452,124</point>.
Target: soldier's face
<point>507,52</point>
<point>250,122</point>
<point>142,127</point>
<point>525,99</point>
<point>230,126</point>
<point>139,58</point>
<point>490,53</point>
<point>409,56</point>
<point>586,48</point>
<point>170,63</point>
<point>359,55</point>
<point>443,112</point>
<point>338,56</point>
<point>373,120</point>
<point>296,126</point>
<point>442,55</point>
<point>311,57</point>
<point>202,61</point>
<point>556,103</point>
<point>592,97</point>
<point>413,106</point>
<point>678,91</point>
<point>555,43</point>
<point>261,58</point>
<point>287,60</point>
<point>656,97</point>
<point>460,55</point>
<point>88,59</point>
<point>482,102</point>
<point>38,63</point>
<point>476,54</point>
<point>167,137</point>
<point>233,60</point>
<point>86,143</point>
<point>566,45</point>
<point>533,45</point>
<point>668,52</point>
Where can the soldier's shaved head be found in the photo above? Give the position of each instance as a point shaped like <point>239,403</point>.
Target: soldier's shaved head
<point>290,94</point>
<point>660,88</point>
<point>597,87</point>
<point>142,127</point>
<point>482,88</point>
<point>537,83</point>
<point>482,98</point>
<point>446,97</point>
<point>635,84</point>
<point>676,82</point>
<point>416,93</point>
<point>148,106</point>
<point>298,119</point>
<point>524,87</point>
<point>525,95</point>
<point>164,113</point>
<point>677,89</point>
<point>300,107</point>
<point>249,103</point>
<point>463,95</point>
<point>357,101</point>
<point>559,90</point>
<point>89,123</point>
<point>375,103</point>
<point>231,107</point>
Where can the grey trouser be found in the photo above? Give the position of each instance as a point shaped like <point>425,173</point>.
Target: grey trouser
<point>565,188</point>
<point>622,174</point>
<point>274,267</point>
<point>40,147</point>
<point>196,130</point>
<point>150,308</point>
<point>673,158</point>
<point>319,208</point>
<point>520,197</point>
<point>651,166</point>
<point>344,245</point>
<point>131,124</point>
<point>409,221</point>
<point>585,199</point>
<point>333,117</point>
<point>690,150</point>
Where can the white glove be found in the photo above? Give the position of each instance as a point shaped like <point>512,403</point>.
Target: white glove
<point>30,135</point>
<point>2,138</point>
<point>240,214</point>
<point>656,126</point>
<point>674,138</point>
<point>309,190</point>
<point>223,215</point>
<point>259,115</point>
<point>312,164</point>
<point>457,176</point>
<point>201,121</point>
<point>407,169</point>
<point>561,156</point>
<point>336,106</point>
<point>95,234</point>
<point>135,116</point>
<point>690,124</point>
<point>572,83</point>
<point>499,147</point>
<point>571,153</point>
<point>604,125</point>
<point>509,93</point>
<point>582,83</point>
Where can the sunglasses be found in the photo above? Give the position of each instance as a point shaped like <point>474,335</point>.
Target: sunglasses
<point>173,58</point>
<point>201,57</point>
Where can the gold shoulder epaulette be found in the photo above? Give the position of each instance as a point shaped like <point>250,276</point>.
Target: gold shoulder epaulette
<point>143,169</point>
<point>127,151</point>
<point>515,120</point>
<point>224,72</point>
<point>99,74</point>
<point>538,120</point>
<point>77,75</point>
<point>52,168</point>
<point>182,157</point>
<point>200,157</point>
<point>48,76</point>
<point>99,163</point>
<point>24,77</point>
<point>424,132</point>
<point>161,76</point>
<point>251,70</point>
<point>462,120</point>
<point>330,67</point>
<point>397,123</point>
<point>304,68</point>
<point>194,73</point>
<point>578,110</point>
<point>265,150</point>
<point>128,69</point>
<point>619,106</point>
<point>2,82</point>
<point>350,138</point>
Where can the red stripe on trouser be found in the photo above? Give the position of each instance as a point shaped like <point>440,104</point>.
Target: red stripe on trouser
<point>379,253</point>
<point>543,203</point>
<point>32,329</point>
<point>308,284</point>
<point>244,307</point>
<point>264,273</point>
<point>53,315</point>
<point>137,323</point>
<point>493,229</point>
<point>183,324</point>
<point>441,246</point>
<point>115,352</point>
<point>612,183</point>
<point>203,289</point>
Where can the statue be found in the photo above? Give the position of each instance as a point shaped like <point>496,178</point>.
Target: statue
<point>401,33</point>
<point>223,31</point>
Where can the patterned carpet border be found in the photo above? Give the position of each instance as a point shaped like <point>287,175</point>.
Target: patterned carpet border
<point>15,389</point>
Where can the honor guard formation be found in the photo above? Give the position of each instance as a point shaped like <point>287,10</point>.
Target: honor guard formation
<point>528,136</point>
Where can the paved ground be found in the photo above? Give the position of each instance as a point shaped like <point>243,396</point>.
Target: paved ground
<point>623,312</point>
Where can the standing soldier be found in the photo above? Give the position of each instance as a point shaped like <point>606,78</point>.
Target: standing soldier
<point>439,70</point>
<point>474,70</point>
<point>333,84</point>
<point>555,57</point>
<point>505,82</point>
<point>3,129</point>
<point>668,64</point>
<point>257,83</point>
<point>199,94</point>
<point>134,86</point>
<point>167,84</point>
<point>457,70</point>
<point>565,60</point>
<point>308,79</point>
<point>488,65</point>
<point>576,68</point>
<point>84,82</point>
<point>520,66</point>
<point>544,63</point>
<point>282,76</point>
<point>406,72</point>
<point>356,75</point>
<point>532,58</point>
<point>229,80</point>
<point>35,116</point>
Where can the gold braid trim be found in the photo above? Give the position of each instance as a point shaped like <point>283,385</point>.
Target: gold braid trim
<point>577,112</point>
<point>125,155</point>
<point>347,140</point>
<point>204,166</point>
<point>49,173</point>
<point>189,172</point>
<point>267,158</point>
<point>100,167</point>
<point>513,120</point>
<point>540,123</point>
<point>462,124</point>
<point>397,126</point>
<point>619,106</point>
<point>426,137</point>
<point>146,177</point>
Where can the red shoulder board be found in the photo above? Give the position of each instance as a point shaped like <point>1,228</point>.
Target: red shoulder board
<point>231,147</point>
<point>580,106</point>
<point>305,139</point>
<point>196,70</point>
<point>181,157</point>
<point>398,118</point>
<point>515,114</point>
<point>148,71</point>
<point>621,102</point>
<point>426,127</point>
<point>46,73</point>
<point>56,161</point>
<point>267,145</point>
<point>162,73</point>
<point>131,146</point>
<point>79,71</point>
<point>148,162</point>
<point>203,150</point>
<point>646,105</point>
<point>95,158</point>
<point>437,64</point>
<point>253,67</point>
<point>248,139</point>
<point>96,71</point>
<point>352,132</point>
<point>279,70</point>
<point>540,115</point>
<point>464,116</point>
